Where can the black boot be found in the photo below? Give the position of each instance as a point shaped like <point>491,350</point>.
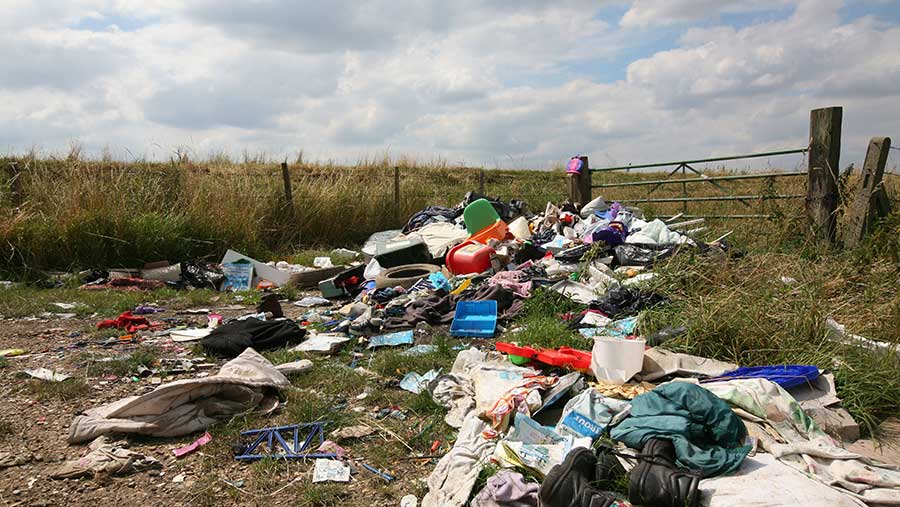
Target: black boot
<point>657,481</point>
<point>270,304</point>
<point>596,498</point>
<point>566,483</point>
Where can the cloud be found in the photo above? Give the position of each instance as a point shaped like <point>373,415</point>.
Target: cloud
<point>499,83</point>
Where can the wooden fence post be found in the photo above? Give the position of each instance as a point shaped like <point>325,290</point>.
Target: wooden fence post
<point>822,197</point>
<point>866,203</point>
<point>580,184</point>
<point>288,192</point>
<point>481,182</point>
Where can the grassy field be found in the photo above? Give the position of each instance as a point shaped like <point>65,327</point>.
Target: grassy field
<point>735,307</point>
<point>73,213</point>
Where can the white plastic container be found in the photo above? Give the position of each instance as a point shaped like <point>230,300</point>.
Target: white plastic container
<point>616,360</point>
<point>519,228</point>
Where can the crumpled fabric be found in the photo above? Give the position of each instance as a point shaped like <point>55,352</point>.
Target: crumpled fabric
<point>456,393</point>
<point>451,481</point>
<point>516,281</point>
<point>507,489</point>
<point>105,457</point>
<point>127,321</point>
<point>436,309</point>
<point>524,398</point>
<point>185,406</point>
<point>763,481</point>
<point>792,436</point>
<point>430,215</point>
<point>707,434</point>
<point>440,237</point>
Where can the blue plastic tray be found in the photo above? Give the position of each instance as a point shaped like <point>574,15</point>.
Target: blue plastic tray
<point>475,318</point>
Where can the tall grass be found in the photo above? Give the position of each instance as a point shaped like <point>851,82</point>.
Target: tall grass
<point>78,213</point>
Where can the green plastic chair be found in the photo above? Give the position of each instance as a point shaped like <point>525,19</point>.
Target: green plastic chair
<point>478,215</point>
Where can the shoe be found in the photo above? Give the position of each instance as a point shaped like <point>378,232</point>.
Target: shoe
<point>270,304</point>
<point>566,483</point>
<point>595,498</point>
<point>608,467</point>
<point>657,481</point>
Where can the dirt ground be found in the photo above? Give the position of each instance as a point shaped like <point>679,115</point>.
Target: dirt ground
<point>34,424</point>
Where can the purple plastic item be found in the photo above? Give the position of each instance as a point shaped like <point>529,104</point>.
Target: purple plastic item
<point>613,234</point>
<point>574,166</point>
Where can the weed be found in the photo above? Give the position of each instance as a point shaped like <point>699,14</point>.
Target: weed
<point>65,390</point>
<point>4,362</point>
<point>124,366</point>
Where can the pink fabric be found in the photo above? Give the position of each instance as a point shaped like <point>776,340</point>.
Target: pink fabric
<point>181,451</point>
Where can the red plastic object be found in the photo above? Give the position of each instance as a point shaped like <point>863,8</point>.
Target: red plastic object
<point>469,257</point>
<point>565,357</point>
<point>497,231</point>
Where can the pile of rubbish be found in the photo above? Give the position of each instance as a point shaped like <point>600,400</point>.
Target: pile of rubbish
<point>561,427</point>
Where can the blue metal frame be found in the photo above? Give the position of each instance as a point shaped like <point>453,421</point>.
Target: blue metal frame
<point>271,436</point>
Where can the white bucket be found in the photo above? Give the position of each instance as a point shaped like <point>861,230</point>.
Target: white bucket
<point>616,360</point>
<point>519,228</point>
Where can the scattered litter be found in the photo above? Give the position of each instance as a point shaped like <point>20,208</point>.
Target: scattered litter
<point>106,457</point>
<point>323,262</point>
<point>49,375</point>
<point>329,470</point>
<point>11,352</point>
<point>415,383</point>
<point>326,343</point>
<point>409,501</point>
<point>188,335</point>
<point>352,432</point>
<point>300,439</point>
<point>392,339</point>
<point>203,440</point>
<point>310,301</point>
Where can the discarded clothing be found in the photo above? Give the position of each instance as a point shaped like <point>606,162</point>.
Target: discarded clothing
<point>439,237</point>
<point>229,340</point>
<point>507,489</point>
<point>524,398</point>
<point>185,406</point>
<point>105,457</point>
<point>130,323</point>
<point>625,301</point>
<point>429,215</point>
<point>790,435</point>
<point>516,281</point>
<point>451,481</point>
<point>707,434</point>
<point>437,309</point>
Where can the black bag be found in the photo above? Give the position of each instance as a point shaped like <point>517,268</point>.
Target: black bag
<point>229,340</point>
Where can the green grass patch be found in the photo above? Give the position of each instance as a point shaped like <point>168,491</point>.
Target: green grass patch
<point>125,366</point>
<point>69,389</point>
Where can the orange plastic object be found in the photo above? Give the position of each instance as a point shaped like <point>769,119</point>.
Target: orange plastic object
<point>565,357</point>
<point>497,231</point>
<point>469,257</point>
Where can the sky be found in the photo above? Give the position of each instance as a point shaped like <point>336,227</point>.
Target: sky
<point>491,83</point>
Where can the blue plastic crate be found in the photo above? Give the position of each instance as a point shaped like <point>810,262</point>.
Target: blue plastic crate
<point>475,318</point>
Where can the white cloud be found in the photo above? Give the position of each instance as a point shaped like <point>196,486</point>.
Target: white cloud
<point>497,83</point>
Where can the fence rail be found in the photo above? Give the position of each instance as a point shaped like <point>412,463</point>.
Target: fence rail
<point>703,178</point>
